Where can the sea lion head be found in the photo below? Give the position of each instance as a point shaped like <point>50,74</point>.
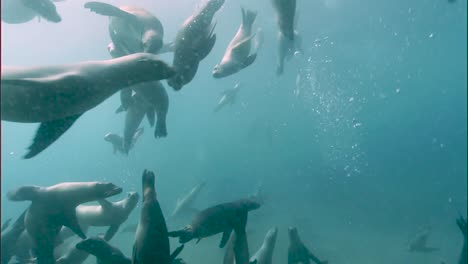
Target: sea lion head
<point>223,70</point>
<point>107,189</point>
<point>24,193</point>
<point>152,41</point>
<point>271,235</point>
<point>45,8</point>
<point>250,204</point>
<point>293,234</point>
<point>111,137</point>
<point>92,245</point>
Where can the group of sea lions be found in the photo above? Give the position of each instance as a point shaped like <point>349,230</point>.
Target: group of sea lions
<point>56,96</point>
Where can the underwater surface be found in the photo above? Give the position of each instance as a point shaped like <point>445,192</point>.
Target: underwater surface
<point>359,144</point>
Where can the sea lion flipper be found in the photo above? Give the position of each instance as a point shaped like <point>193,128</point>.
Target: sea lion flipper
<point>236,48</point>
<point>176,252</point>
<point>119,109</point>
<point>151,116</point>
<point>250,59</point>
<point>71,221</point>
<point>111,232</point>
<point>48,133</point>
<point>6,224</point>
<point>108,10</point>
<point>225,238</point>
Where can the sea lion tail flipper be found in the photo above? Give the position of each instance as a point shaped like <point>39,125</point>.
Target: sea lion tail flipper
<point>225,238</point>
<point>48,133</point>
<point>71,221</point>
<point>176,252</point>
<point>151,116</point>
<point>111,232</point>
<point>248,17</point>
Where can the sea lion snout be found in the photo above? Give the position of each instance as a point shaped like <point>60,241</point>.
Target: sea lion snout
<point>109,189</point>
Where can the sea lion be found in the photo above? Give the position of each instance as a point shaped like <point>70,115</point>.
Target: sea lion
<point>227,97</point>
<point>229,257</point>
<point>287,48</point>
<point>10,237</point>
<point>103,251</point>
<point>221,218</point>
<point>193,42</point>
<point>53,207</point>
<point>237,55</point>
<point>419,242</point>
<point>22,11</point>
<point>265,254</point>
<point>285,12</point>
<point>70,254</point>
<point>185,204</point>
<point>461,223</point>
<point>151,239</point>
<point>297,251</point>
<point>6,224</point>
<point>111,214</point>
<point>58,95</point>
<point>132,29</point>
<point>117,140</point>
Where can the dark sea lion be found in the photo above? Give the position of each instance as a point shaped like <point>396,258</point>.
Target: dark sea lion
<point>10,237</point>
<point>22,11</point>
<point>103,251</point>
<point>151,239</point>
<point>222,218</point>
<point>265,254</point>
<point>461,223</point>
<point>297,251</point>
<point>117,140</point>
<point>132,29</point>
<point>185,204</point>
<point>285,12</point>
<point>53,207</point>
<point>111,214</point>
<point>238,53</point>
<point>57,96</point>
<point>419,242</point>
<point>287,48</point>
<point>71,254</point>
<point>228,97</point>
<point>194,41</point>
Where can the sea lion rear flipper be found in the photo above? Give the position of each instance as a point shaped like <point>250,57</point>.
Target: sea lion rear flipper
<point>111,232</point>
<point>48,133</point>
<point>225,238</point>
<point>176,252</point>
<point>71,221</point>
<point>151,116</point>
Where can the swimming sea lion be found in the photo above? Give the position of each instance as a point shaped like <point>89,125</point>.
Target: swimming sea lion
<point>461,223</point>
<point>265,254</point>
<point>419,243</point>
<point>117,140</point>
<point>70,254</point>
<point>103,251</point>
<point>185,204</point>
<point>297,251</point>
<point>221,218</point>
<point>111,214</point>
<point>285,12</point>
<point>287,48</point>
<point>58,95</point>
<point>194,41</point>
<point>151,240</point>
<point>228,97</point>
<point>229,257</point>
<point>22,11</point>
<point>10,237</point>
<point>53,207</point>
<point>237,55</point>
<point>132,29</point>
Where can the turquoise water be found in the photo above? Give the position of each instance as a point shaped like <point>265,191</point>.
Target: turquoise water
<point>359,152</point>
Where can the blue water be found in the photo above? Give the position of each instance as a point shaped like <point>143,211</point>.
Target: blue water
<point>360,151</point>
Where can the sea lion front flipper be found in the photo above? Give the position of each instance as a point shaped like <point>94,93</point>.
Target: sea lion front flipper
<point>250,59</point>
<point>71,221</point>
<point>48,133</point>
<point>108,10</point>
<point>176,252</point>
<point>151,116</point>
<point>225,238</point>
<point>111,232</point>
<point>106,205</point>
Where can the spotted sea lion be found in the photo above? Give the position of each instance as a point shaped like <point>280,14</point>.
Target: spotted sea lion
<point>238,55</point>
<point>185,204</point>
<point>221,218</point>
<point>58,95</point>
<point>297,251</point>
<point>265,254</point>
<point>111,214</point>
<point>228,97</point>
<point>285,12</point>
<point>461,223</point>
<point>193,42</point>
<point>10,237</point>
<point>103,251</point>
<point>22,11</point>
<point>117,140</point>
<point>53,207</point>
<point>151,239</point>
